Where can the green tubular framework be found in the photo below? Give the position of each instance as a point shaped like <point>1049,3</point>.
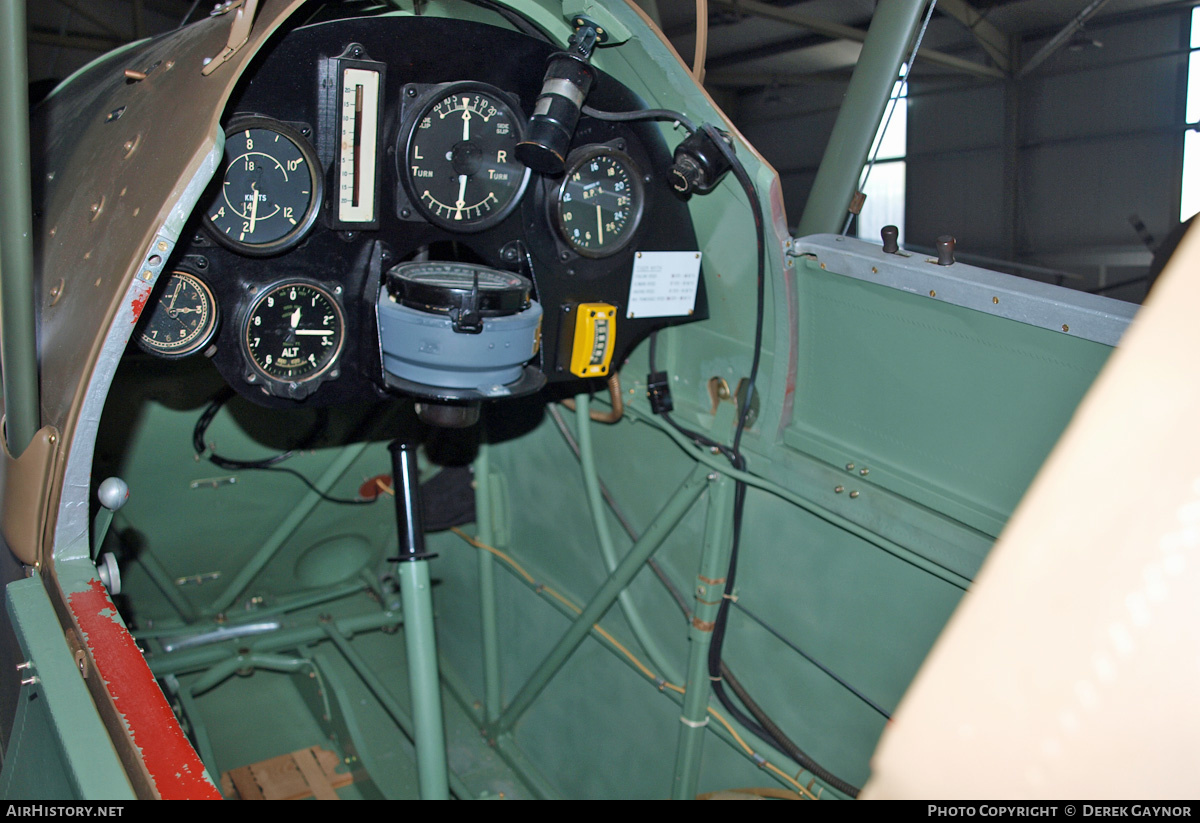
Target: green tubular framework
<point>334,472</point>
<point>891,29</point>
<point>714,561</point>
<point>670,515</point>
<point>718,463</point>
<point>423,683</point>
<point>591,481</point>
<point>20,366</point>
<point>509,749</point>
<point>490,632</point>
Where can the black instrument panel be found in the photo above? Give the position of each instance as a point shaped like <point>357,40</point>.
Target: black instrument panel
<point>408,126</point>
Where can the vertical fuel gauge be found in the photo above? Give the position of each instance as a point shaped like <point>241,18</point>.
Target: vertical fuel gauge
<point>359,91</point>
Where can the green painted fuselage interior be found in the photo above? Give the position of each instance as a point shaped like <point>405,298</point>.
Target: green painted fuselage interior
<point>951,410</point>
<point>892,437</point>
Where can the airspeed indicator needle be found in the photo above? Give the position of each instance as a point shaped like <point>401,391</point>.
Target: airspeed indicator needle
<point>253,206</point>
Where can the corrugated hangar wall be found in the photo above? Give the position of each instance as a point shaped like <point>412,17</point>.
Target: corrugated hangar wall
<point>1045,171</point>
<point>1098,139</point>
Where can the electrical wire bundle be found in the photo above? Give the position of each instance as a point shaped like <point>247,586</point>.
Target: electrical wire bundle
<point>266,464</point>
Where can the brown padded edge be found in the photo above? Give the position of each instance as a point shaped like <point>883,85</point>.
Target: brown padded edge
<point>170,120</point>
<point>26,494</point>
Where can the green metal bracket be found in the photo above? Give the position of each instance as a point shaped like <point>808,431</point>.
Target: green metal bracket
<point>614,31</point>
<point>59,748</point>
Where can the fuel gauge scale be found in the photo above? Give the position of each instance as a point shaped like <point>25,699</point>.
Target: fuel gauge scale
<point>359,89</point>
<point>599,204</point>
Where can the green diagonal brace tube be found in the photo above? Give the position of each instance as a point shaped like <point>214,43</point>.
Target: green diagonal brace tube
<point>18,349</point>
<point>591,482</point>
<point>651,539</point>
<point>283,532</point>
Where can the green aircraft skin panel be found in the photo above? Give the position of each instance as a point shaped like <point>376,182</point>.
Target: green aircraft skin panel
<point>950,411</point>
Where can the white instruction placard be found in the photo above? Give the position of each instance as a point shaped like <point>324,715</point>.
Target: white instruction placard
<point>664,284</point>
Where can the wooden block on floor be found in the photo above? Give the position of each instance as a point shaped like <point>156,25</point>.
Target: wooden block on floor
<point>310,772</point>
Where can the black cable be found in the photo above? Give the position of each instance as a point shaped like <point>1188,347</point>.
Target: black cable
<point>643,114</point>
<point>812,660</point>
<point>183,22</point>
<point>266,464</point>
<point>792,750</point>
<point>515,20</point>
<point>769,732</point>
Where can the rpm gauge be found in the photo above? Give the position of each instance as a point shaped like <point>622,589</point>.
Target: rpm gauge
<point>270,189</point>
<point>292,336</point>
<point>599,203</point>
<point>460,167</point>
<point>183,320</point>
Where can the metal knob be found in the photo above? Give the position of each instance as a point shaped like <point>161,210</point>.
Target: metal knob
<point>890,235</point>
<point>945,249</point>
<point>113,493</point>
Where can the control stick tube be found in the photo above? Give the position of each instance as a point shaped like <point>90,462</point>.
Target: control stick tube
<point>416,595</point>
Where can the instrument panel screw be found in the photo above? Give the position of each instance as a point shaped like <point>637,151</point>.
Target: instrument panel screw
<point>849,467</point>
<point>854,494</point>
<point>864,472</point>
<point>838,489</point>
<point>411,92</point>
<point>1066,327</point>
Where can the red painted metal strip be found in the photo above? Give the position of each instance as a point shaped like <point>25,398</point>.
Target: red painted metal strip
<point>138,304</point>
<point>170,759</point>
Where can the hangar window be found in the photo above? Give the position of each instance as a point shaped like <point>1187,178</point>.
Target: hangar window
<point>884,184</point>
<point>1190,201</point>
